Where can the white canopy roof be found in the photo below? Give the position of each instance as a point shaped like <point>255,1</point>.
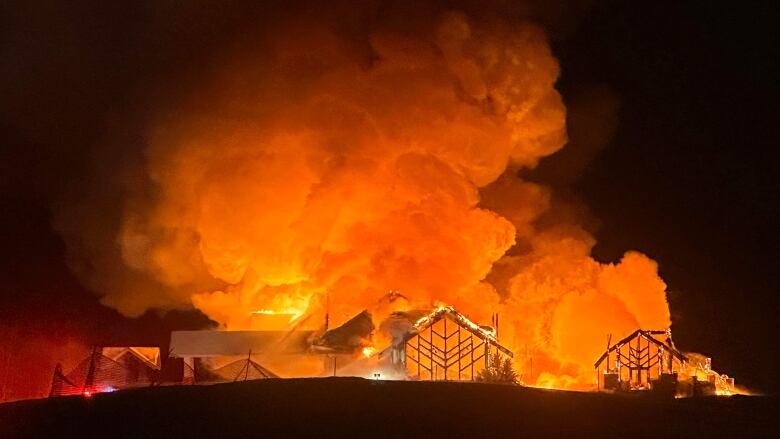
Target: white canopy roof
<point>210,343</point>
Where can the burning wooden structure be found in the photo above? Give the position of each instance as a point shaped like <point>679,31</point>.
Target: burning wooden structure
<point>445,345</point>
<point>439,345</point>
<point>353,335</point>
<point>642,360</point>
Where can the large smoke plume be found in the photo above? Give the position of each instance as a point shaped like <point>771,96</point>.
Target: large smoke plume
<point>323,159</point>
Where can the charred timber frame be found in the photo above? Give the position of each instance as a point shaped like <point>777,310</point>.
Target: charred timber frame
<point>636,356</point>
<point>446,345</point>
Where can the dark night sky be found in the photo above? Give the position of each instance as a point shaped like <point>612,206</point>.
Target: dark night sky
<point>689,177</point>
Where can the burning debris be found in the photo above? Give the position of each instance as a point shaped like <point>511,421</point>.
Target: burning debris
<point>648,360</point>
<point>353,335</point>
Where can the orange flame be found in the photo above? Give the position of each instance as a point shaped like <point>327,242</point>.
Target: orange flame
<point>322,176</point>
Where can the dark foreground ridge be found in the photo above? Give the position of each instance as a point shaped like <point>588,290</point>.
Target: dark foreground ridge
<point>358,408</point>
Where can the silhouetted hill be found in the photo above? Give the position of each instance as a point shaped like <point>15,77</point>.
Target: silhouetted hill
<point>357,408</point>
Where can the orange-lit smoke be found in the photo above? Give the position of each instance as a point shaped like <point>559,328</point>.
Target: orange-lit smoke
<point>312,171</point>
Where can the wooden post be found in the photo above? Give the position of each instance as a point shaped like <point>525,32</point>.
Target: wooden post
<point>460,356</point>
<point>487,354</point>
<point>471,350</point>
<point>419,371</point>
<point>90,378</point>
<point>248,363</point>
<point>445,347</point>
<point>188,375</point>
<point>432,349</point>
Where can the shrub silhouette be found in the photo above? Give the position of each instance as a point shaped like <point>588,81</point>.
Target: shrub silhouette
<point>500,371</point>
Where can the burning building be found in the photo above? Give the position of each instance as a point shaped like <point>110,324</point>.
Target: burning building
<point>442,344</point>
<point>649,360</point>
<point>641,361</point>
<point>319,161</point>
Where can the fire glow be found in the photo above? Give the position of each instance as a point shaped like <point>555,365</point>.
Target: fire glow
<point>324,175</point>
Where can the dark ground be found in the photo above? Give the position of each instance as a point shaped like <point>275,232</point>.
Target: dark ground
<point>353,407</point>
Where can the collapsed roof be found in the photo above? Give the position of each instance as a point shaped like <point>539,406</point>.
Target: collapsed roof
<point>347,338</point>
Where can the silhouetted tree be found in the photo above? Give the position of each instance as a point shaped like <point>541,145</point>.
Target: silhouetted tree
<point>500,371</point>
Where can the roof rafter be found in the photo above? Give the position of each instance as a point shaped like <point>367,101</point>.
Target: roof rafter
<point>647,334</point>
